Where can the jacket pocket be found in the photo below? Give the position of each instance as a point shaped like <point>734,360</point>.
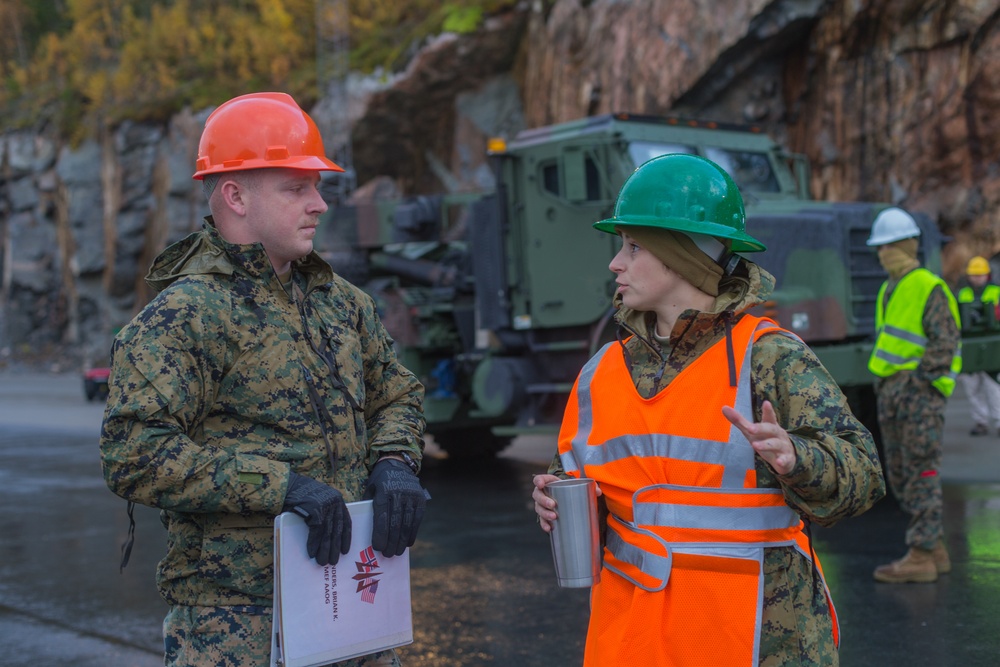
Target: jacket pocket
<point>237,553</point>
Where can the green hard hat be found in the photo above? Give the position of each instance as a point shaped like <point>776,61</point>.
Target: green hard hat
<point>685,193</point>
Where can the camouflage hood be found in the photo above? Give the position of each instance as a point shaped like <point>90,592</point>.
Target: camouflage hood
<point>205,252</point>
<point>749,286</point>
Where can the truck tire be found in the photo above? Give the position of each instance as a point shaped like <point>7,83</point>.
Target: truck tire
<point>471,443</point>
<point>864,405</point>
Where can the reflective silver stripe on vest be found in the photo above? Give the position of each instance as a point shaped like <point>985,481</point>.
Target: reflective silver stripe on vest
<point>958,355</point>
<point>650,564</point>
<point>659,567</point>
<point>903,334</point>
<point>896,359</point>
<point>736,460</point>
<point>573,460</point>
<point>711,517</point>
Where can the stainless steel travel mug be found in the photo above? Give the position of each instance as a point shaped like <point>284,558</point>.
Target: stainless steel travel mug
<point>576,543</point>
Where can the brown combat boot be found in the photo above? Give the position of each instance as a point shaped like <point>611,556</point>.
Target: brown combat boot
<point>941,560</point>
<point>917,566</point>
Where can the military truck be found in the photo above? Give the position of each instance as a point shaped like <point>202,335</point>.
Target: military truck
<point>496,299</point>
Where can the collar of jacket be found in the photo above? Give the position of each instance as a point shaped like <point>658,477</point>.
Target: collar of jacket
<point>890,282</point>
<point>748,286</point>
<point>205,252</point>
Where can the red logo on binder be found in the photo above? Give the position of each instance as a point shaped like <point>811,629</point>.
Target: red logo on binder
<point>367,576</point>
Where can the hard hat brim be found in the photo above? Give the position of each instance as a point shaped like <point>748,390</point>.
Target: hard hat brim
<point>739,241</point>
<point>886,240</point>
<point>302,162</point>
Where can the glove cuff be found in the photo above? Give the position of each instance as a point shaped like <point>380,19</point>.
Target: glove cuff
<point>293,494</point>
<point>408,460</point>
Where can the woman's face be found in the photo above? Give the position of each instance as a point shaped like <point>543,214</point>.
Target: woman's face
<point>644,282</point>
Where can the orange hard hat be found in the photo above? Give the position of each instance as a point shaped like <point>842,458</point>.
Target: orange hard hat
<point>260,130</point>
<point>978,266</point>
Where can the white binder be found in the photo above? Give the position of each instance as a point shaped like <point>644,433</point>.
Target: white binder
<point>325,614</point>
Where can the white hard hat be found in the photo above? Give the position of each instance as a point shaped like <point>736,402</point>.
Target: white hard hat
<point>891,225</point>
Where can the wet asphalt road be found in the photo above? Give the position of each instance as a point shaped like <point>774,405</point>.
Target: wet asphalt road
<point>482,579</point>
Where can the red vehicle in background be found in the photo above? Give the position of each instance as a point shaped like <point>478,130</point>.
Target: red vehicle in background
<point>95,383</point>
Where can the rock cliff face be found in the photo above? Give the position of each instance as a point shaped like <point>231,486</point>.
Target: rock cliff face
<point>900,103</point>
<point>890,101</point>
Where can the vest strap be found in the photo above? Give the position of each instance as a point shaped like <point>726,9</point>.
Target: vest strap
<point>655,566</point>
<point>670,515</point>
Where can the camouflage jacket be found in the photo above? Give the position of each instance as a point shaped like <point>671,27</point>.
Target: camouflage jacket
<point>217,391</point>
<point>837,473</point>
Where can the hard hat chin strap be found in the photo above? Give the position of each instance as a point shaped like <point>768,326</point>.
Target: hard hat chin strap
<point>728,263</point>
<point>709,245</point>
<point>716,251</point>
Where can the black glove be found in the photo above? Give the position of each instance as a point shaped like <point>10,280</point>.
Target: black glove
<point>398,504</point>
<point>325,513</point>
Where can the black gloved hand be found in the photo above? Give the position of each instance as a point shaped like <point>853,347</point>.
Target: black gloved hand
<point>398,505</point>
<point>325,513</point>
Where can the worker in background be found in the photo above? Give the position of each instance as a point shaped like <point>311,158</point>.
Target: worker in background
<point>715,437</point>
<point>984,310</point>
<point>916,360</point>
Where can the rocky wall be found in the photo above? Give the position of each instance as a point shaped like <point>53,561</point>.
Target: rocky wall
<point>890,101</point>
<point>79,226</point>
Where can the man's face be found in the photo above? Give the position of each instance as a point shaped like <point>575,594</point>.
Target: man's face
<point>643,281</point>
<point>282,211</point>
<point>978,281</point>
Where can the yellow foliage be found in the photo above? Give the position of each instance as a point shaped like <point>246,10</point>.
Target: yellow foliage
<point>146,58</point>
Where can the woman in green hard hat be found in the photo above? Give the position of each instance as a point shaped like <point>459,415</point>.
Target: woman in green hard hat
<point>715,437</point>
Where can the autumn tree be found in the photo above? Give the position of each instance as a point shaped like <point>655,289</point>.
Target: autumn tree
<point>92,63</point>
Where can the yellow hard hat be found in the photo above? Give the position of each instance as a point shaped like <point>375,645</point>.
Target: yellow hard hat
<point>978,266</point>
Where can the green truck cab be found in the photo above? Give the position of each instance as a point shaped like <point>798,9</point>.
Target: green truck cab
<point>496,299</point>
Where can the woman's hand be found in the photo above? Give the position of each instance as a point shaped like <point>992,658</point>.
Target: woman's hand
<point>766,437</point>
<point>544,505</point>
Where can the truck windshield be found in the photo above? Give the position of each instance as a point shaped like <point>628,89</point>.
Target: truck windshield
<point>751,170</point>
<point>642,151</point>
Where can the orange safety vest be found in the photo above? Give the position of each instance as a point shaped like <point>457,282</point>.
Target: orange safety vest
<point>682,583</point>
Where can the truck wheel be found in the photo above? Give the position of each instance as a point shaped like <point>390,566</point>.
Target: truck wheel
<point>864,405</point>
<point>90,389</point>
<point>470,443</point>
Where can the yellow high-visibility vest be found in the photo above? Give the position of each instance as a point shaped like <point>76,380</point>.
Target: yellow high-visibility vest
<point>901,340</point>
<point>991,294</point>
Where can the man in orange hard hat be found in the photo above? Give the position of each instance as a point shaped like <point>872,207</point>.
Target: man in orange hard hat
<point>257,382</point>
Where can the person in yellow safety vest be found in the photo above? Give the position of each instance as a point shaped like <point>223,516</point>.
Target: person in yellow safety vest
<point>715,437</point>
<point>982,390</point>
<point>916,359</point>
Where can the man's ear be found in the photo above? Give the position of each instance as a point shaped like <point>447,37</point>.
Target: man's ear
<point>233,196</point>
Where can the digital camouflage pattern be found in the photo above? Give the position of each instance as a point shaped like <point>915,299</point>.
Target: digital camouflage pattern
<point>838,473</point>
<point>209,408</point>
<point>234,637</point>
<point>911,418</point>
